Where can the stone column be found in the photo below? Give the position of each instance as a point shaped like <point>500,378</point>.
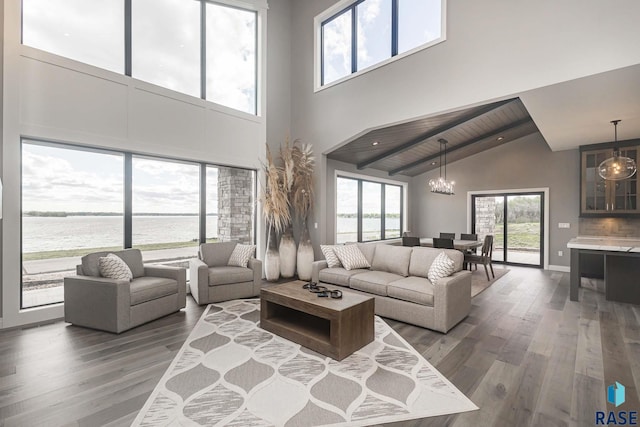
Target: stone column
<point>235,205</point>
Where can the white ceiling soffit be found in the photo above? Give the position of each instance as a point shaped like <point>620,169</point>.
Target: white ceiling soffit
<point>579,112</point>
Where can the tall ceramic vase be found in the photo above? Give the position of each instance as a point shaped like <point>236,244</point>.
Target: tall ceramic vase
<point>272,257</point>
<point>305,254</point>
<point>287,251</point>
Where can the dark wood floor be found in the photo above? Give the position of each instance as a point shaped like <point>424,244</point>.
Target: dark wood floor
<point>525,355</point>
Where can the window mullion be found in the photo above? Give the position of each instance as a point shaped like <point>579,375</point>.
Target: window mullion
<point>359,210</point>
<point>203,49</point>
<point>394,27</point>
<point>383,209</point>
<point>203,203</point>
<point>354,40</point>
<point>128,200</point>
<point>127,38</point>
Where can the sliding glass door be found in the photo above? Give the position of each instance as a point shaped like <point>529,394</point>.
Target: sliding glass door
<point>516,222</point>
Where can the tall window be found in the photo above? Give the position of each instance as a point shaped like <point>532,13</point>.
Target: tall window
<point>198,47</point>
<point>347,210</point>
<point>87,31</point>
<point>231,57</point>
<point>166,44</point>
<point>72,204</point>
<point>367,210</point>
<point>368,32</point>
<point>165,208</point>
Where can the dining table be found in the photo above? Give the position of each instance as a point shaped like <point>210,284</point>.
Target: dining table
<point>461,245</point>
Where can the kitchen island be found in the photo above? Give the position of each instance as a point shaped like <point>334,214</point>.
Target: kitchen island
<point>621,257</point>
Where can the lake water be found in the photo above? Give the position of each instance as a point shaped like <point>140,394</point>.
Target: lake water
<point>86,232</point>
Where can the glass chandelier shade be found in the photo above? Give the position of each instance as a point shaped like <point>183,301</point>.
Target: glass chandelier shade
<point>618,167</point>
<point>441,185</point>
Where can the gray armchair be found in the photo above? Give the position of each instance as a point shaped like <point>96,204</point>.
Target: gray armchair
<point>212,280</point>
<point>118,305</point>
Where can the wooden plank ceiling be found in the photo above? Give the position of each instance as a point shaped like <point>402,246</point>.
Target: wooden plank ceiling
<point>412,148</point>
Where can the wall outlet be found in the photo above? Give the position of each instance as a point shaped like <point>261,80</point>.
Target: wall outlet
<point>560,253</point>
<point>564,225</point>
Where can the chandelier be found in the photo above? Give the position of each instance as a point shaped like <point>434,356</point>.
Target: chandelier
<point>618,167</point>
<point>441,185</point>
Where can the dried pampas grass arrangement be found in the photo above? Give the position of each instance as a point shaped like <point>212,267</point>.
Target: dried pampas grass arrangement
<point>275,203</point>
<point>302,192</point>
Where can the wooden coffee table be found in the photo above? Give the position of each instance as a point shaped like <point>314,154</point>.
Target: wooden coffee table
<point>332,327</point>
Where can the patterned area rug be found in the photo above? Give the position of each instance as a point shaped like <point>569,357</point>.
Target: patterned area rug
<point>230,372</point>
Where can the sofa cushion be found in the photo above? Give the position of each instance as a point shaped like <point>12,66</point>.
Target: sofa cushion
<point>241,255</point>
<point>422,258</point>
<point>227,275</point>
<point>392,259</point>
<point>330,256</point>
<point>338,275</point>
<point>374,282</point>
<point>412,289</point>
<point>133,258</point>
<point>216,254</point>
<point>442,266</point>
<point>113,267</point>
<point>368,250</point>
<point>351,257</point>
<point>148,288</point>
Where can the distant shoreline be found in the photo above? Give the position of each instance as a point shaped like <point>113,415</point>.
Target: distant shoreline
<point>41,214</point>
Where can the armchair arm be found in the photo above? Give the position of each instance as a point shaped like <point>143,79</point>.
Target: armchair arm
<point>178,274</point>
<point>256,266</point>
<point>199,280</point>
<point>316,266</point>
<point>97,302</point>
<point>451,300</point>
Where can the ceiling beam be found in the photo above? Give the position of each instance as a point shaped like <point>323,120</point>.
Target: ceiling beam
<point>441,129</point>
<point>493,134</point>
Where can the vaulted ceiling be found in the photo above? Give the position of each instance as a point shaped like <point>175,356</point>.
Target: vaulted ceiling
<point>413,147</point>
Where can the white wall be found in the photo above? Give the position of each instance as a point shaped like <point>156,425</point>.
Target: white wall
<point>53,98</point>
<point>525,163</point>
<point>494,49</point>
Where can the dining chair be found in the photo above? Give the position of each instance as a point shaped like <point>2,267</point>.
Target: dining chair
<point>484,258</point>
<point>443,243</point>
<point>451,236</point>
<point>410,241</point>
<point>473,236</point>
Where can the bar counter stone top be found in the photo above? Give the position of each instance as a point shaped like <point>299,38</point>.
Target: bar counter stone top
<point>603,243</point>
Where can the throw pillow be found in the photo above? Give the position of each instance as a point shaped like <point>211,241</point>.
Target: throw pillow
<point>113,267</point>
<point>330,256</point>
<point>241,255</point>
<point>442,266</point>
<point>351,257</point>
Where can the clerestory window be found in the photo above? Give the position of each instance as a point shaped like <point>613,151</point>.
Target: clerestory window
<point>363,34</point>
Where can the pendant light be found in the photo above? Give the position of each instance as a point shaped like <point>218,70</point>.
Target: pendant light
<point>618,167</point>
<point>441,185</point>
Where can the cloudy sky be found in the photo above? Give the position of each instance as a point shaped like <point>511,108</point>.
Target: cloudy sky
<point>165,42</point>
<point>58,179</point>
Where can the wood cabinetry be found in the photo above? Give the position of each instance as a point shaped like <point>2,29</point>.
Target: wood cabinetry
<point>600,197</point>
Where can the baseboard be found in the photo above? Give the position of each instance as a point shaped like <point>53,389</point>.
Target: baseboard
<point>562,268</point>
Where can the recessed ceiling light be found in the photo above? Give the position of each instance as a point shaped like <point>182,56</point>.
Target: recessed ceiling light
<point>434,163</point>
<point>374,143</point>
<point>500,138</point>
